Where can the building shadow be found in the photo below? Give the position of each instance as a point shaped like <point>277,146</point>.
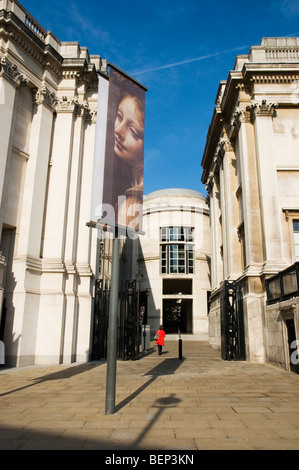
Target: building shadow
<point>58,375</point>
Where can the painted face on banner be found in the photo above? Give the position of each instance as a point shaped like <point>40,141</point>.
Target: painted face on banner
<point>129,131</point>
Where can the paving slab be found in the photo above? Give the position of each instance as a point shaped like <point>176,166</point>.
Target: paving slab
<point>199,402</point>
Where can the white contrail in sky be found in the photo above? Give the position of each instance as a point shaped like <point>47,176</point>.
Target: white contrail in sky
<point>188,61</point>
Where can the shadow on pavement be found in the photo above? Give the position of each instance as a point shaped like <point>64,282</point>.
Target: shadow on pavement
<point>167,367</point>
<point>66,373</point>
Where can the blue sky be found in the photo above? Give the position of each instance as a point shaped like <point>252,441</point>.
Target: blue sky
<point>180,50</point>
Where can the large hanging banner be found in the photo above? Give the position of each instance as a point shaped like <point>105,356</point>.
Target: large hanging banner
<point>119,152</point>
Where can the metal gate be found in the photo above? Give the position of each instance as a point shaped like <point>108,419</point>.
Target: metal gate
<point>129,332</point>
<point>232,322</point>
<point>101,315</point>
<point>128,325</point>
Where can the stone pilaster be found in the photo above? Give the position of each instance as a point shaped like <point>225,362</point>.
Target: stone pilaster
<point>59,177</point>
<point>262,115</point>
<point>31,223</point>
<point>230,212</point>
<point>248,185</point>
<point>10,79</point>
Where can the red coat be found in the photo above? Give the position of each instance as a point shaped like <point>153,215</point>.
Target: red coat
<point>162,335</point>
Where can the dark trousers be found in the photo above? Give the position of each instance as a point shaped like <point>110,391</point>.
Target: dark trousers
<point>159,349</point>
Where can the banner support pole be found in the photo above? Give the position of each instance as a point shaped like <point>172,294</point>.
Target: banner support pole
<point>112,329</point>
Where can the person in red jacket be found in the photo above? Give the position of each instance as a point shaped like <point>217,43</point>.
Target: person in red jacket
<point>160,341</point>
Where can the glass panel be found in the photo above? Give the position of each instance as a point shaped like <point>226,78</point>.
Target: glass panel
<point>173,234</point>
<point>163,251</point>
<point>290,283</point>
<point>296,225</point>
<point>274,289</point>
<point>190,258</point>
<point>173,269</point>
<point>181,234</point>
<point>189,234</point>
<point>164,234</point>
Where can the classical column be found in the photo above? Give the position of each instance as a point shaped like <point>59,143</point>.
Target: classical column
<point>58,192</point>
<point>83,254</point>
<point>250,196</point>
<point>216,261</point>
<point>86,239</point>
<point>230,212</point>
<point>27,256</point>
<point>54,302</point>
<point>31,223</point>
<point>71,330</point>
<point>262,115</point>
<point>10,79</point>
<point>252,293</point>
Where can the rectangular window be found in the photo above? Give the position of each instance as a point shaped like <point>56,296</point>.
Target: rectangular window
<point>296,238</point>
<point>176,250</point>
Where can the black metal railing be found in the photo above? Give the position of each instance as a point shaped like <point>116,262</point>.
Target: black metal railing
<point>129,328</point>
<point>232,322</point>
<point>283,285</point>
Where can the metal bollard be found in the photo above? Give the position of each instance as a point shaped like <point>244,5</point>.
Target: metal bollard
<point>180,348</point>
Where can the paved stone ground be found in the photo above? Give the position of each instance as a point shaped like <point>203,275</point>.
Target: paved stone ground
<point>198,402</point>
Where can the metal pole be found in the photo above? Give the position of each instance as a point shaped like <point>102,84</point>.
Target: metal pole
<point>112,330</point>
<point>180,348</point>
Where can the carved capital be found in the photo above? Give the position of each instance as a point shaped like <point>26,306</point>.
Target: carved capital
<point>237,117</point>
<point>90,116</point>
<point>72,105</point>
<point>11,72</point>
<point>226,145</point>
<point>262,109</point>
<point>67,105</point>
<point>83,110</point>
<point>43,95</point>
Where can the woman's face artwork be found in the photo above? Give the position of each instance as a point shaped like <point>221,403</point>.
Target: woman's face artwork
<point>129,131</point>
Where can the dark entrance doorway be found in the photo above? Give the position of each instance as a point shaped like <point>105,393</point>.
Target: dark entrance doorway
<point>177,315</point>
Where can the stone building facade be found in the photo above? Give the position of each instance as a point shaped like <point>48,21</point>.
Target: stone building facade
<point>51,260</point>
<point>48,105</point>
<point>173,261</point>
<point>251,171</point>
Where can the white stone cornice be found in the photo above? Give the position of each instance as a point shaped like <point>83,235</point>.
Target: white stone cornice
<point>31,263</point>
<point>11,72</point>
<point>70,74</point>
<point>84,269</point>
<point>282,78</point>
<point>52,265</point>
